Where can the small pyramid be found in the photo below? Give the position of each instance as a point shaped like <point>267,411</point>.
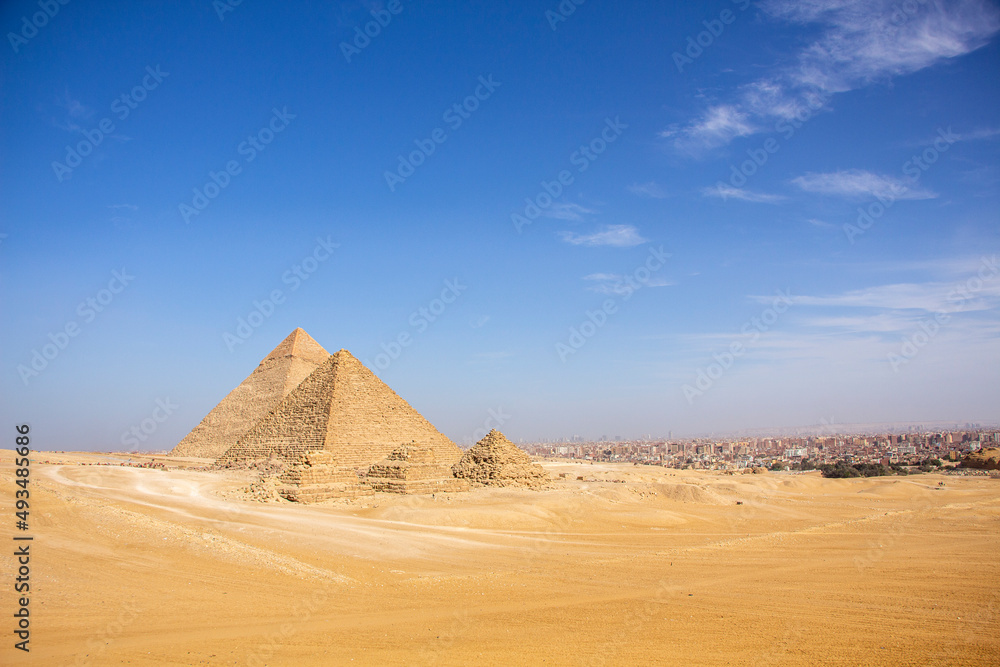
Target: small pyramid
<point>317,477</point>
<point>411,469</point>
<point>277,375</point>
<point>343,408</point>
<point>496,461</point>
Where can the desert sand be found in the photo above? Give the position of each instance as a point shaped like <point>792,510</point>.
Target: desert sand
<point>630,565</point>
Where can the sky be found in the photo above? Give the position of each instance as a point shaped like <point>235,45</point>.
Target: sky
<point>555,218</point>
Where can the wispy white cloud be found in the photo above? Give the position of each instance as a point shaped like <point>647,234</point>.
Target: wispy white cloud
<point>977,134</point>
<point>717,126</point>
<point>930,297</point>
<point>567,211</point>
<point>619,236</point>
<point>980,134</point>
<point>723,191</point>
<point>659,282</point>
<point>602,276</point>
<point>72,113</point>
<point>860,184</point>
<point>651,190</point>
<point>816,222</point>
<point>857,43</point>
<point>865,41</point>
<point>614,283</point>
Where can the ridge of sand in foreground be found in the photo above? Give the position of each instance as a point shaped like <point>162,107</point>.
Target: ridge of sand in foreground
<point>153,567</point>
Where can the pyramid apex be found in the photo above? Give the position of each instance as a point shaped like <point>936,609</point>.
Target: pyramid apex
<point>299,344</point>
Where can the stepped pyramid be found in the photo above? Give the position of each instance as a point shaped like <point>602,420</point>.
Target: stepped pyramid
<point>317,478</point>
<point>413,468</point>
<point>278,374</point>
<point>345,409</point>
<point>496,461</point>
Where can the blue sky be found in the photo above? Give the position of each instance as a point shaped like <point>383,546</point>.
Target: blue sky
<point>646,217</point>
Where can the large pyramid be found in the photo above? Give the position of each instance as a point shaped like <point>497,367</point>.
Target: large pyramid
<point>277,375</point>
<point>345,409</point>
<point>496,461</point>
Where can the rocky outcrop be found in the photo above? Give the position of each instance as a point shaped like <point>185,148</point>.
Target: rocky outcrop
<point>987,458</point>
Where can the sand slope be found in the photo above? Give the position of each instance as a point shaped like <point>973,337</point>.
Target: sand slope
<point>151,567</point>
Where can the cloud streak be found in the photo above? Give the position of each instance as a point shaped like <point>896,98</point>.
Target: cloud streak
<point>724,192</point>
<point>858,43</point>
<point>618,236</point>
<point>860,184</point>
<point>567,211</point>
<point>651,190</point>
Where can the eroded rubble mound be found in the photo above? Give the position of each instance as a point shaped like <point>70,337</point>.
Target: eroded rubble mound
<point>987,458</point>
<point>496,461</point>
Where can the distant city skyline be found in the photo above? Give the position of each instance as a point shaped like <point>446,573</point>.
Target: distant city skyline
<point>621,219</point>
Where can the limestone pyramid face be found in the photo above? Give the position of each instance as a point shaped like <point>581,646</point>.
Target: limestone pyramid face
<point>413,468</point>
<point>345,409</point>
<point>496,461</point>
<point>278,374</point>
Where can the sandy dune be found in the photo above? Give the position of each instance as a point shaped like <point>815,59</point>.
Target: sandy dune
<point>144,566</point>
